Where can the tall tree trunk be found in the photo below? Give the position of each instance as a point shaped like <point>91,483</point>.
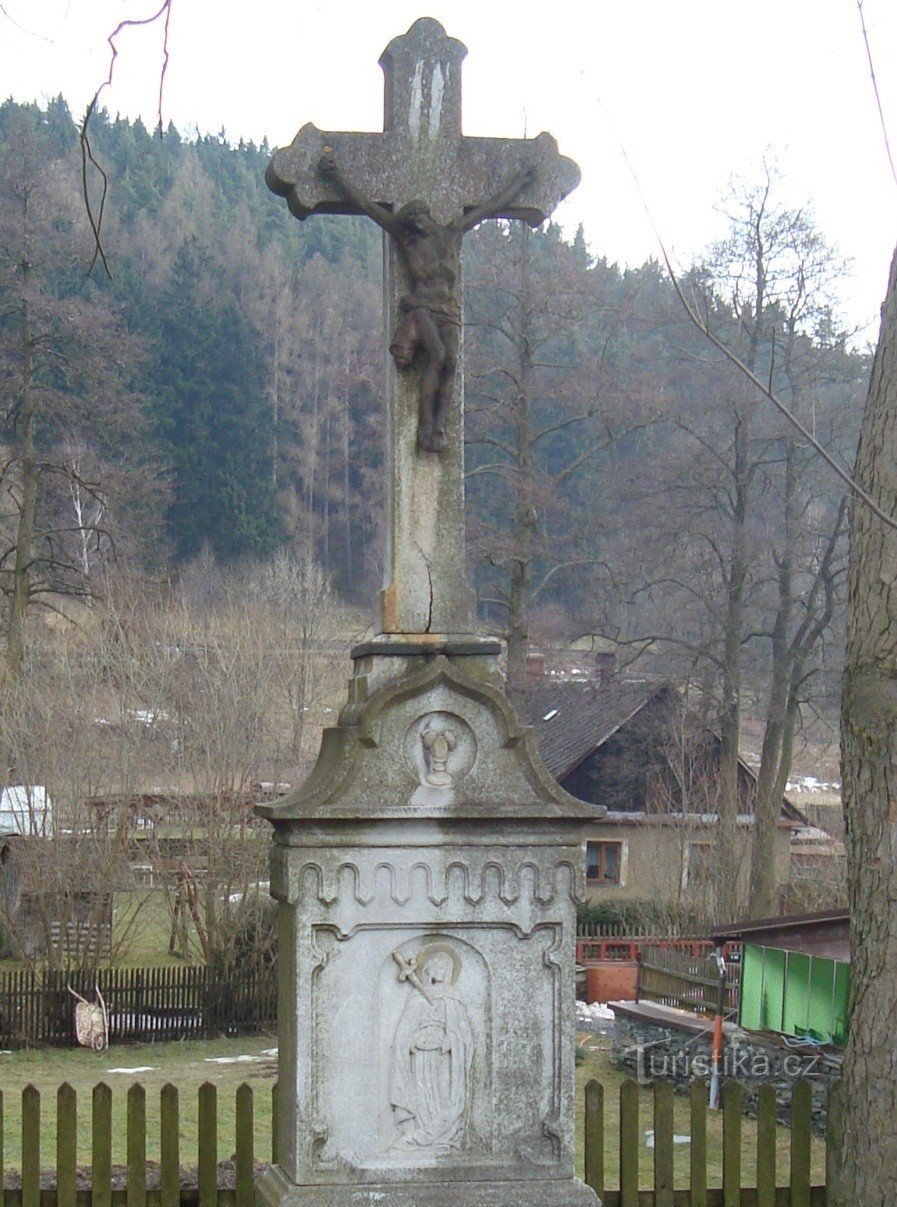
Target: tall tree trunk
<point>767,806</point>
<point>21,589</point>
<point>730,714</point>
<point>868,1157</point>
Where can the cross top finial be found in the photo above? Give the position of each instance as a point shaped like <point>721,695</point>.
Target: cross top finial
<point>422,83</point>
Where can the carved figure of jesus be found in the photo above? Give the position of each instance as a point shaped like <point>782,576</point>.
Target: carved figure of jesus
<point>430,319</point>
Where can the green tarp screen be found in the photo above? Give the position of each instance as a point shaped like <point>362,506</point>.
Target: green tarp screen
<point>793,993</point>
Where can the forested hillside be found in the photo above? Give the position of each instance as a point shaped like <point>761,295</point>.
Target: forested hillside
<point>221,394</point>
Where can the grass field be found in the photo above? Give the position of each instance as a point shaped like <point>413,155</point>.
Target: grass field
<point>141,929</point>
<point>187,1065</point>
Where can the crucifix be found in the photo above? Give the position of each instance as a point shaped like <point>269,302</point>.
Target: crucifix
<point>425,184</point>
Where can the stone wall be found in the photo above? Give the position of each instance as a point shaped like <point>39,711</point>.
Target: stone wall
<point>658,1049</point>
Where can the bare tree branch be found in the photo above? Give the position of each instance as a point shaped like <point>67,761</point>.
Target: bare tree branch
<point>881,114</point>
<point>87,157</point>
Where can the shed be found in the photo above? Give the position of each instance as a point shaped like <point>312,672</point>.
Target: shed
<point>795,976</point>
<point>58,894</point>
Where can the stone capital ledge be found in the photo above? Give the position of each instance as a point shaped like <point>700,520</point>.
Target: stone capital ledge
<point>448,875</point>
<point>438,832</point>
<point>426,645</point>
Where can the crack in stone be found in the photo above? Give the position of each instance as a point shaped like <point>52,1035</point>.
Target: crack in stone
<point>429,623</point>
<point>430,607</point>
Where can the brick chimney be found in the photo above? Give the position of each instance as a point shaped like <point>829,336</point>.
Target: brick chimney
<point>535,665</point>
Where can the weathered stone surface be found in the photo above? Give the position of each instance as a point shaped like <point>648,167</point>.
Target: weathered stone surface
<point>427,874</point>
<point>496,1100</point>
<point>422,155</point>
<point>273,1188</point>
<point>370,762</point>
<point>428,871</point>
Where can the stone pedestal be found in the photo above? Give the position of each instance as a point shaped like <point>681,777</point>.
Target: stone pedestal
<point>427,875</point>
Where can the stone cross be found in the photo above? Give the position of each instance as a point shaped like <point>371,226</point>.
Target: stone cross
<point>422,156</point>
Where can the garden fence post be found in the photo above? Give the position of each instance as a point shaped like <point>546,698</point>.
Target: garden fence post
<point>170,1145</point>
<point>732,1095</point>
<point>101,1179</point>
<point>30,1147</point>
<point>66,1145</point>
<point>594,1137</point>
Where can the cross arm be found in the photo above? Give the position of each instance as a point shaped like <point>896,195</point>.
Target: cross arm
<point>294,173</point>
<point>501,200</point>
<point>331,172</point>
<point>537,178</point>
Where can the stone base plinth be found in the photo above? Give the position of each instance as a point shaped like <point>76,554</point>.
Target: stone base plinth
<point>273,1189</point>
<point>427,875</point>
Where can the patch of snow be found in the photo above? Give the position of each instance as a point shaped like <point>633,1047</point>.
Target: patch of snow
<point>594,1011</point>
<point>135,1069</point>
<point>148,716</point>
<point>810,783</point>
<point>269,1051</point>
<point>649,1139</point>
<point>230,1060</point>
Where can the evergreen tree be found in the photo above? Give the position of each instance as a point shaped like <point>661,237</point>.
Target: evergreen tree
<point>211,417</point>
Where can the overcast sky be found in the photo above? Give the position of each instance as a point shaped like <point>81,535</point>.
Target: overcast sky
<point>693,90</point>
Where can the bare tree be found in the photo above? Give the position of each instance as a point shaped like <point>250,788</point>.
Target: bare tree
<point>545,412</point>
<point>63,382</point>
<point>749,544</point>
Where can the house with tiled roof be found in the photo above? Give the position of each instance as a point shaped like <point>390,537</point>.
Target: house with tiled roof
<point>629,747</point>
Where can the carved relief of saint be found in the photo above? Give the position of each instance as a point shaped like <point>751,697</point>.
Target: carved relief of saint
<point>432,1055</point>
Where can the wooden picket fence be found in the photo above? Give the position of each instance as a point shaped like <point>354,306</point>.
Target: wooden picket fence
<point>105,1187</point>
<point>129,1187</point>
<point>687,979</point>
<point>178,1002</point>
<point>795,1189</point>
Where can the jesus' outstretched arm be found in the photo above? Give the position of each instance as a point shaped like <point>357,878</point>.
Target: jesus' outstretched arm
<point>327,168</point>
<point>501,200</point>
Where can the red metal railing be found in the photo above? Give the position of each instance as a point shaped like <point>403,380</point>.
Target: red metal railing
<point>597,950</point>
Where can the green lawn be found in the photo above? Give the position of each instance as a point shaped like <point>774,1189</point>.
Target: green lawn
<point>187,1065</point>
<point>141,930</point>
